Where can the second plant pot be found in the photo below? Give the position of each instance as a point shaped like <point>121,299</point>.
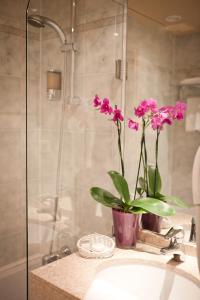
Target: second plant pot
<point>151,222</point>
<point>126,228</point>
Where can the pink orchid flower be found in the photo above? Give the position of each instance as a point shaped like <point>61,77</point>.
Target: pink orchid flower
<point>159,119</point>
<point>105,107</point>
<point>96,101</point>
<point>179,110</point>
<point>117,115</point>
<point>133,125</point>
<point>148,105</point>
<point>152,105</point>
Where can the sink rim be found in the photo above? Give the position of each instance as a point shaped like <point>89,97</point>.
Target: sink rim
<point>169,266</point>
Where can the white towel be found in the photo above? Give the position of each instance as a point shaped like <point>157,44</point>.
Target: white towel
<point>193,114</point>
<point>196,179</point>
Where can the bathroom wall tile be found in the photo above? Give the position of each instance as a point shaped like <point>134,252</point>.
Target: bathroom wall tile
<point>144,35</point>
<point>33,149</point>
<point>104,43</point>
<point>12,55</point>
<point>73,159</point>
<point>150,80</point>
<point>104,86</point>
<point>12,128</point>
<point>6,28</point>
<point>47,185</point>
<point>13,12</point>
<point>185,72</point>
<point>149,76</point>
<point>188,59</point>
<point>88,10</point>
<point>88,166</point>
<point>90,212</point>
<point>51,112</point>
<point>10,121</point>
<point>49,153</point>
<point>182,172</point>
<point>12,234</point>
<point>10,194</point>
<point>33,121</point>
<point>187,65</point>
<point>33,59</point>
<point>33,97</point>
<point>59,11</point>
<point>99,159</point>
<point>13,248</point>
<point>10,159</point>
<point>34,191</point>
<point>11,94</point>
<point>83,117</point>
<point>48,60</point>
<point>100,50</point>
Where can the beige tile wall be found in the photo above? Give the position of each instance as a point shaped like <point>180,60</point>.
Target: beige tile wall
<point>150,66</point>
<point>185,144</point>
<point>12,131</point>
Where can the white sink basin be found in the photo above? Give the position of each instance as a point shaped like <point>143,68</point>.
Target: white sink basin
<point>141,282</point>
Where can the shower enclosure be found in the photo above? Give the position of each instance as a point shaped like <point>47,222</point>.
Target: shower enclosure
<point>72,49</point>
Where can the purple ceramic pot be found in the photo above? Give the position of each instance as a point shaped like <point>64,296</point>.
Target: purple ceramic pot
<point>126,228</point>
<point>151,222</point>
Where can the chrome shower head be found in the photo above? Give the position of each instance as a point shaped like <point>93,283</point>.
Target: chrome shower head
<point>41,21</point>
<point>36,21</point>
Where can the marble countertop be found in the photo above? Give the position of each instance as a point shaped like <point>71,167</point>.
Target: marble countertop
<point>71,276</point>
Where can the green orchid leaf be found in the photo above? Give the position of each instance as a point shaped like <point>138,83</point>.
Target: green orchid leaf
<point>121,185</point>
<point>106,198</point>
<point>142,183</point>
<point>137,210</point>
<point>151,176</point>
<point>140,191</point>
<point>155,206</point>
<point>159,196</point>
<point>175,201</point>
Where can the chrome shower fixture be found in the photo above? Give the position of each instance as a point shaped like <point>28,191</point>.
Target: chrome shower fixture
<point>41,22</point>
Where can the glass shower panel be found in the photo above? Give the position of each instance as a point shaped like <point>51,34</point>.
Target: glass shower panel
<point>70,146</point>
<point>12,151</point>
<point>90,144</point>
<point>45,54</point>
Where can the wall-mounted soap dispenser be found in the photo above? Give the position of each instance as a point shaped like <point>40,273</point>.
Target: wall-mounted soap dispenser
<point>54,85</point>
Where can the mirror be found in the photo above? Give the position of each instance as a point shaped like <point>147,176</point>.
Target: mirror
<point>163,55</point>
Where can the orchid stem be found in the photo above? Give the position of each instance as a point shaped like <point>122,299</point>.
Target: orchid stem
<point>156,168</point>
<point>120,146</point>
<point>145,158</point>
<point>144,174</point>
<point>140,159</point>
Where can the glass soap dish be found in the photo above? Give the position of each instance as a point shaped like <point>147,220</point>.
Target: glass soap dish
<point>96,246</point>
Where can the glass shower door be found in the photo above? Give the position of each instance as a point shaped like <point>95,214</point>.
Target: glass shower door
<point>73,47</point>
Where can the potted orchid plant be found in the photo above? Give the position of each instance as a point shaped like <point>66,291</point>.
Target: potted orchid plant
<point>125,208</point>
<point>149,185</point>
